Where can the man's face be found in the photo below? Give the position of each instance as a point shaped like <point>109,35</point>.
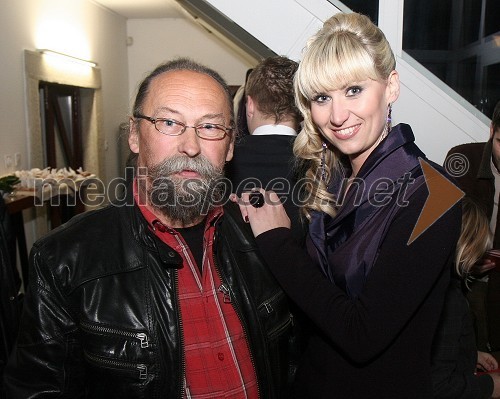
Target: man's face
<point>182,169</point>
<point>495,134</point>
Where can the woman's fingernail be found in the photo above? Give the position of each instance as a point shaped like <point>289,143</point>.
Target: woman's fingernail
<point>246,219</point>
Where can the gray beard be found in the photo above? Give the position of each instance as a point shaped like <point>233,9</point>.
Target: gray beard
<point>185,200</point>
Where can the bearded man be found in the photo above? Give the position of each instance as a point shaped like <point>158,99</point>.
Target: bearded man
<point>164,296</point>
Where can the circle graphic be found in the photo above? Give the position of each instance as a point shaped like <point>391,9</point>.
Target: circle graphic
<point>457,165</point>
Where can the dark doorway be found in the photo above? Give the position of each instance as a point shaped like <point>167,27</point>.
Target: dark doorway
<point>62,120</point>
<point>61,117</point>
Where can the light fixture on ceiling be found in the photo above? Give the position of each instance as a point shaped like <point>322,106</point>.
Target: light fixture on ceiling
<point>67,57</point>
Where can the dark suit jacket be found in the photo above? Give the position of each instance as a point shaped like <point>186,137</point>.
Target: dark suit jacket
<point>455,353</point>
<point>267,161</point>
<point>473,174</point>
<point>478,183</point>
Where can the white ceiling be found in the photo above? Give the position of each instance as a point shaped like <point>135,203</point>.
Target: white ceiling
<point>144,8</point>
<point>141,9</point>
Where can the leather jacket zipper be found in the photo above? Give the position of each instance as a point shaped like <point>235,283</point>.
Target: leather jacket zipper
<point>140,367</point>
<point>141,336</point>
<point>181,335</point>
<point>227,296</point>
<point>267,305</point>
<point>225,292</point>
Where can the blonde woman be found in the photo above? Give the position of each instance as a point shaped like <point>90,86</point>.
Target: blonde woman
<point>373,298</point>
<point>455,355</point>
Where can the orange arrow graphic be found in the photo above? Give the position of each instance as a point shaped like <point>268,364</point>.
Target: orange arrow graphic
<point>443,194</point>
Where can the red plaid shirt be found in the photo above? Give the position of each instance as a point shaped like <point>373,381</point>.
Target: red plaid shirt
<point>217,356</point>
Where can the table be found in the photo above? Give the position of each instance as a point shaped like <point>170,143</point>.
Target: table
<point>25,200</point>
<point>15,205</point>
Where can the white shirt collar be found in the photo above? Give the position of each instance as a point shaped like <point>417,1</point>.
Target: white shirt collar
<point>274,129</point>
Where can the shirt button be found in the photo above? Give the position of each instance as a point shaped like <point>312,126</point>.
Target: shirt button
<point>220,355</point>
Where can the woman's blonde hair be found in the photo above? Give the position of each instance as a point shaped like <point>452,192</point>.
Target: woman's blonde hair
<point>348,48</point>
<point>475,237</point>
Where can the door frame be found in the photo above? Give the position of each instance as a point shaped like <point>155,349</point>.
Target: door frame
<point>39,68</point>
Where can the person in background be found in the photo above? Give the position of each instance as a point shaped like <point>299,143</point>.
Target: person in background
<point>239,101</point>
<point>373,294</point>
<point>476,168</point>
<point>264,159</point>
<point>163,296</point>
<point>455,356</point>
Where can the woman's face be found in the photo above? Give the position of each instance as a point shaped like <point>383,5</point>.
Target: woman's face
<point>353,119</point>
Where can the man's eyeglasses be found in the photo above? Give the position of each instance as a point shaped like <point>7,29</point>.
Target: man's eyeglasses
<point>171,127</point>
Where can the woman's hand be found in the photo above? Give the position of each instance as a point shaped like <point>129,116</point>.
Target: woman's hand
<point>486,362</point>
<point>483,266</point>
<point>270,215</point>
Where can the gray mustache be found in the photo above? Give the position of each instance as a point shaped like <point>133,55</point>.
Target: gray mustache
<point>199,164</point>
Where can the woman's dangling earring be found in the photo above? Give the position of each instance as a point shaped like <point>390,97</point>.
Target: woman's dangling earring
<point>323,162</point>
<point>388,126</point>
<point>389,118</point>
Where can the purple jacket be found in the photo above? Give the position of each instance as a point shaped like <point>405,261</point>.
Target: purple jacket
<point>346,246</point>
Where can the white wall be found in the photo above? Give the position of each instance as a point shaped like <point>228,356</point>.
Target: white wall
<point>77,27</point>
<point>159,40</point>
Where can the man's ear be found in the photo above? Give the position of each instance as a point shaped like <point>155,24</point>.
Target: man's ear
<point>250,105</point>
<point>492,130</point>
<point>393,86</point>
<point>133,136</point>
<point>230,150</point>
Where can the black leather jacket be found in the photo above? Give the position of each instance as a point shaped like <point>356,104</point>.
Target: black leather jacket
<point>10,283</point>
<point>101,319</point>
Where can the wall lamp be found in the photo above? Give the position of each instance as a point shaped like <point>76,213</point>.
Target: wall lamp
<point>67,57</point>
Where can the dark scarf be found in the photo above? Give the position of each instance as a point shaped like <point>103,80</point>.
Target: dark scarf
<point>345,247</point>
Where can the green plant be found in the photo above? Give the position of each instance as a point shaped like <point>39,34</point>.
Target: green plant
<point>7,183</point>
